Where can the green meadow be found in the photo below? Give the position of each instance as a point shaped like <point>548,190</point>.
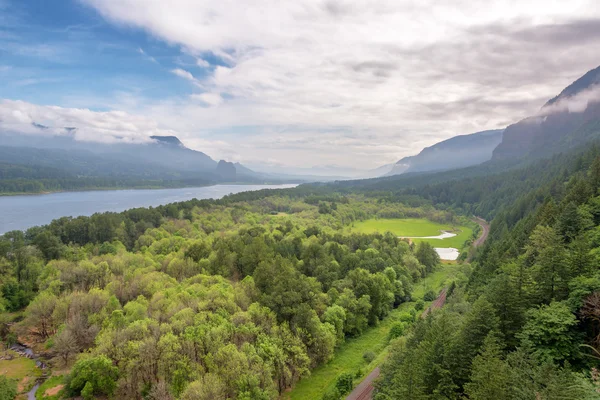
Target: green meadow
<point>415,227</point>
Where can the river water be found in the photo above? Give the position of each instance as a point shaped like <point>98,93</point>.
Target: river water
<point>23,212</point>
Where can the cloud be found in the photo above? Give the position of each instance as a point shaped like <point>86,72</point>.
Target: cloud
<point>82,124</point>
<point>358,82</point>
<point>211,99</point>
<point>183,74</point>
<point>577,103</point>
<point>202,63</point>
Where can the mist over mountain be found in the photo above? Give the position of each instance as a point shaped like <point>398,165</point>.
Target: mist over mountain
<point>457,152</point>
<point>163,158</point>
<point>565,121</point>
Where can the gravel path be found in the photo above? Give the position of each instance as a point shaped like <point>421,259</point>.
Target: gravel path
<point>364,390</point>
<point>485,231</point>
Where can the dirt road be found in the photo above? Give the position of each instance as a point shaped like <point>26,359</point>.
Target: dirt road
<point>437,303</point>
<point>364,391</point>
<point>485,231</point>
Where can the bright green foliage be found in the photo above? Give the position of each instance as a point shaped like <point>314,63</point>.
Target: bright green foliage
<point>549,333</point>
<point>396,330</point>
<point>332,394</point>
<point>344,383</point>
<point>8,388</point>
<point>93,375</point>
<point>218,293</point>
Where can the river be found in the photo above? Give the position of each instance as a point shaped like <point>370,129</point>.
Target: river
<point>23,212</point>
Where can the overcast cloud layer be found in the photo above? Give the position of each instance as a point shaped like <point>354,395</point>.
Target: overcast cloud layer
<point>352,83</point>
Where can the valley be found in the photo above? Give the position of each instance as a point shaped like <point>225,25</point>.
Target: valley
<point>308,200</point>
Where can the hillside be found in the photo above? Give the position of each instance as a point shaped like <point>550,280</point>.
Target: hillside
<point>567,120</point>
<point>457,152</point>
<point>32,164</point>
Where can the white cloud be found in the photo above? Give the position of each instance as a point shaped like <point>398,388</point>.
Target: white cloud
<point>91,126</point>
<point>211,99</point>
<point>202,63</point>
<point>183,74</point>
<point>357,82</point>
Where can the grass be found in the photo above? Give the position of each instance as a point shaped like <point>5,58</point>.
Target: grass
<point>18,367</point>
<point>21,369</point>
<point>52,384</point>
<point>415,227</point>
<point>349,356</point>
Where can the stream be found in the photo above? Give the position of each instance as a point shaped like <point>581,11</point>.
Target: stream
<point>25,351</point>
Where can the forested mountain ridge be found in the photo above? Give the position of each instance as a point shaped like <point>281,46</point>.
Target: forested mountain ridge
<point>166,162</point>
<point>567,120</point>
<point>526,326</point>
<point>457,152</point>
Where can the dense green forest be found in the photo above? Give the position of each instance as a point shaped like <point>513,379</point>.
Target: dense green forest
<point>527,325</point>
<point>205,299</point>
<point>240,298</point>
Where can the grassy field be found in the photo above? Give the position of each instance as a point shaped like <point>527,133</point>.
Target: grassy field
<point>415,227</point>
<point>21,369</point>
<point>349,356</point>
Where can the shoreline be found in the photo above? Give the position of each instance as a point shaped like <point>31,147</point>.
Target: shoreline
<point>140,188</point>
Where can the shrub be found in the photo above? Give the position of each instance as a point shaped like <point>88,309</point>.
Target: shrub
<point>397,330</point>
<point>332,394</point>
<point>93,376</point>
<point>406,317</point>
<point>369,356</point>
<point>8,388</point>
<point>344,383</point>
<point>419,305</point>
<point>429,296</point>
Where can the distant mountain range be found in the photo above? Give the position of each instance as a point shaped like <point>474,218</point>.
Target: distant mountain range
<point>457,152</point>
<point>164,158</point>
<point>565,121</point>
<point>568,120</point>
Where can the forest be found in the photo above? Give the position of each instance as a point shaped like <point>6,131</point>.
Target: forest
<point>205,299</point>
<point>240,298</point>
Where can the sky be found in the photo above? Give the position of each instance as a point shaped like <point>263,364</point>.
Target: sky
<point>287,84</point>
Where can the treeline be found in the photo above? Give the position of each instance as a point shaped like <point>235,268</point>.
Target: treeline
<point>527,324</point>
<point>202,299</point>
<point>41,185</point>
<point>483,190</point>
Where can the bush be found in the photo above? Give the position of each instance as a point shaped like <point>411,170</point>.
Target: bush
<point>332,394</point>
<point>8,388</point>
<point>93,376</point>
<point>406,317</point>
<point>397,330</point>
<point>369,356</point>
<point>344,383</point>
<point>419,305</point>
<point>429,296</point>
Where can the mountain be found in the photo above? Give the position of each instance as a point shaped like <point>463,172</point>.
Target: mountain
<point>567,120</point>
<point>457,152</point>
<point>163,161</point>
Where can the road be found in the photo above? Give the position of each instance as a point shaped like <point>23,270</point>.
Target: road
<point>364,390</point>
<point>437,303</point>
<point>485,231</point>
